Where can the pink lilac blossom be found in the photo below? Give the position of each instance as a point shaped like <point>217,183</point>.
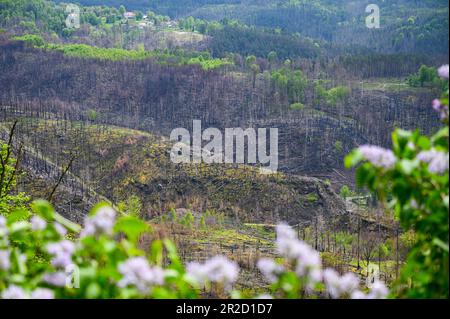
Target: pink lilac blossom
<point>62,253</point>
<point>137,272</point>
<point>37,223</point>
<point>3,228</point>
<point>378,156</point>
<point>14,292</point>
<point>4,260</point>
<point>441,109</point>
<point>57,279</point>
<point>42,293</point>
<point>443,71</point>
<point>437,161</point>
<point>101,223</point>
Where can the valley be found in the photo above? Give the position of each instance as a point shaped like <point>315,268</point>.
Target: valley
<point>89,111</point>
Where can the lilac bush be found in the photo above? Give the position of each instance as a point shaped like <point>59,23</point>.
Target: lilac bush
<point>102,260</point>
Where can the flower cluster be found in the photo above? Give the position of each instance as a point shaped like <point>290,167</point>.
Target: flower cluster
<point>270,269</point>
<point>338,286</point>
<point>216,269</point>
<point>101,223</point>
<point>443,71</point>
<point>438,161</point>
<point>441,109</point>
<point>62,253</point>
<point>4,259</point>
<point>137,272</point>
<point>378,156</point>
<point>125,271</point>
<point>308,261</point>
<point>37,223</point>
<point>308,267</point>
<point>15,292</point>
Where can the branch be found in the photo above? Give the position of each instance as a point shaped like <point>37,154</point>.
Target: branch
<point>64,172</point>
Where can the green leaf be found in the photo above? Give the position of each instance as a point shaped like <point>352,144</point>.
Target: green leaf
<point>18,215</point>
<point>353,159</point>
<point>132,227</point>
<point>73,227</point>
<point>441,244</point>
<point>43,209</point>
<point>408,166</point>
<point>156,252</point>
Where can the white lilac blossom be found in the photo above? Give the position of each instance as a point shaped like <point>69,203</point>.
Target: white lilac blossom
<point>42,293</point>
<point>101,223</point>
<point>216,269</point>
<point>308,260</point>
<point>378,291</point>
<point>14,292</point>
<point>60,229</point>
<point>443,71</point>
<point>270,269</point>
<point>4,260</point>
<point>289,248</point>
<point>221,269</point>
<point>378,156</point>
<point>37,223</point>
<point>438,161</point>
<point>287,243</point>
<point>58,279</point>
<point>137,272</point>
<point>349,282</point>
<point>285,231</point>
<point>62,253</point>
<point>196,272</point>
<point>264,296</point>
<point>331,280</point>
<point>338,286</point>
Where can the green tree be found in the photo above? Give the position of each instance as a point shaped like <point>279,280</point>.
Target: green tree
<point>92,115</point>
<point>345,192</point>
<point>8,177</point>
<point>134,206</point>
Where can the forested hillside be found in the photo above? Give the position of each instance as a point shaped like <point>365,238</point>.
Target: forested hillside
<point>86,112</point>
<point>406,25</point>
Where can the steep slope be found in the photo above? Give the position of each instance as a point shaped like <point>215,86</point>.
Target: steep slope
<point>158,98</point>
<point>114,163</point>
